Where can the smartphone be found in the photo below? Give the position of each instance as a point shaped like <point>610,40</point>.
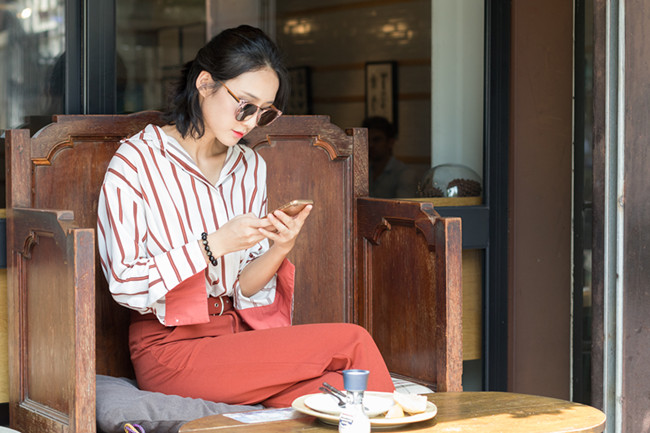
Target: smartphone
<point>294,206</point>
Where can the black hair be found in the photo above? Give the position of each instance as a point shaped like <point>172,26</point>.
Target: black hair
<point>228,55</point>
<point>380,123</point>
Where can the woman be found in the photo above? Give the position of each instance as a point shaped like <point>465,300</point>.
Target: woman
<point>184,235</point>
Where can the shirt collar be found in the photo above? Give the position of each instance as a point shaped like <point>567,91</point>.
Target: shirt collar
<point>155,137</point>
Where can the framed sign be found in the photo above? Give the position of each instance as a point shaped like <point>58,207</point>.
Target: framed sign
<point>381,90</point>
<point>300,96</point>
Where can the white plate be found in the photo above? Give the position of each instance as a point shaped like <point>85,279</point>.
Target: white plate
<point>378,422</point>
<point>375,403</point>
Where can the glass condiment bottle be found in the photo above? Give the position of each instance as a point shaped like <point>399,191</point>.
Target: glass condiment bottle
<point>353,418</point>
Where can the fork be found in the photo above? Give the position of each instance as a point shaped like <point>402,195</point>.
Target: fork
<point>338,394</point>
<point>334,390</point>
<point>332,393</point>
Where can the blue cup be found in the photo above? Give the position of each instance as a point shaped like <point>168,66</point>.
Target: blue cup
<point>355,380</point>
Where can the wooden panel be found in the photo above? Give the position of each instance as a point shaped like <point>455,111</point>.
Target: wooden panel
<point>318,276</point>
<point>540,198</point>
<point>472,283</point>
<point>403,303</point>
<point>48,325</point>
<point>410,296</point>
<point>316,161</point>
<point>51,345</point>
<point>635,321</point>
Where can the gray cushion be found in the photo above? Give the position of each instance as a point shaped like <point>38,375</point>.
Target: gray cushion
<point>119,401</point>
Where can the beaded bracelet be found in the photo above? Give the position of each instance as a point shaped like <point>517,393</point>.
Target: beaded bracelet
<point>204,239</point>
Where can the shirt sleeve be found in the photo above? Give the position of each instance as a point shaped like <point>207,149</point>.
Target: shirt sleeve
<point>266,295</point>
<point>136,278</point>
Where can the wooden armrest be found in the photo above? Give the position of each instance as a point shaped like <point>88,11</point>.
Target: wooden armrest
<point>409,288</point>
<point>51,294</point>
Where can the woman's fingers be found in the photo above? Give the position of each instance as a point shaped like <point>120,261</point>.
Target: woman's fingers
<point>286,227</point>
<point>292,220</point>
<point>243,231</point>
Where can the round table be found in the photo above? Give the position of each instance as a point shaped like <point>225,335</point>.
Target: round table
<point>458,412</point>
<point>506,412</point>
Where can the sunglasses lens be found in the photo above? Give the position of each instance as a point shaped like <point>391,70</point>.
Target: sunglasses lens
<point>245,111</point>
<point>267,117</point>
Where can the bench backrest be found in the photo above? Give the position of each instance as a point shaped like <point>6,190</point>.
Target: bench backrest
<point>310,158</point>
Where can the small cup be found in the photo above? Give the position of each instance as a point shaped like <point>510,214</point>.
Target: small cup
<point>355,380</point>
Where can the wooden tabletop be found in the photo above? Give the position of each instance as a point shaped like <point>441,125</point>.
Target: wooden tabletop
<point>458,412</point>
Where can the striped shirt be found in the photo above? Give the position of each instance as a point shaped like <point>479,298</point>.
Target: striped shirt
<point>153,206</point>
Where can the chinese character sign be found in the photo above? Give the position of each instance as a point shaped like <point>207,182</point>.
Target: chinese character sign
<point>380,90</point>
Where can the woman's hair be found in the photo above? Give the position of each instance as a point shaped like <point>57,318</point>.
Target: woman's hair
<point>228,55</point>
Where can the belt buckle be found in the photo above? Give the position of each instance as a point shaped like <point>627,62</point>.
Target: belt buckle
<point>216,304</point>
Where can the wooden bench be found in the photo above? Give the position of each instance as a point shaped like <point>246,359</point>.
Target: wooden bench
<point>391,266</point>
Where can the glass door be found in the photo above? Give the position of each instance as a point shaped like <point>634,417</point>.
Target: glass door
<point>32,62</point>
<point>154,39</point>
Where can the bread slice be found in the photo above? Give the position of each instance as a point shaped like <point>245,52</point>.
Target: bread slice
<point>395,412</point>
<point>411,403</point>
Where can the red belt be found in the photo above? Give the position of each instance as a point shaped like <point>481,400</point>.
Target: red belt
<point>217,305</point>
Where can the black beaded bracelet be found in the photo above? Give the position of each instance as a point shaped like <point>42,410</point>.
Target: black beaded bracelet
<point>204,239</point>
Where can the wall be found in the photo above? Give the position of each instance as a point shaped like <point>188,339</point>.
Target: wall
<point>540,198</point>
<point>457,83</point>
<point>223,14</point>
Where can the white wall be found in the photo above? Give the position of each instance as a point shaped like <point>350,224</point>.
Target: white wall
<point>224,14</point>
<point>457,60</point>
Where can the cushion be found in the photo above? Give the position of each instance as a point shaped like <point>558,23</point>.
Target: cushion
<point>119,401</point>
<point>407,387</point>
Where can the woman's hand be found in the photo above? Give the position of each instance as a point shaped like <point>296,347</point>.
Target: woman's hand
<point>282,230</point>
<point>240,233</point>
<point>286,228</point>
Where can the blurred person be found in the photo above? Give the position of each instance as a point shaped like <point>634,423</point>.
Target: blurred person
<point>388,176</point>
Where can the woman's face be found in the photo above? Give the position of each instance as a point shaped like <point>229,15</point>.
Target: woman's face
<point>218,107</point>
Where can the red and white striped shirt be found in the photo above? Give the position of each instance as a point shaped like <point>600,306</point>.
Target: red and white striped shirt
<point>153,207</point>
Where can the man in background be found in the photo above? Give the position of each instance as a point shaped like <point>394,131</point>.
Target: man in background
<point>389,177</point>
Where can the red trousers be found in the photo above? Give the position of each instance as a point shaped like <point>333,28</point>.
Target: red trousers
<point>223,361</point>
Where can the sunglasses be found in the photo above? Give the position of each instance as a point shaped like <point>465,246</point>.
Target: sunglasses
<point>244,110</point>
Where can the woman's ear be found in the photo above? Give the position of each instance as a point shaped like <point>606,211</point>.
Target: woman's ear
<point>204,83</point>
